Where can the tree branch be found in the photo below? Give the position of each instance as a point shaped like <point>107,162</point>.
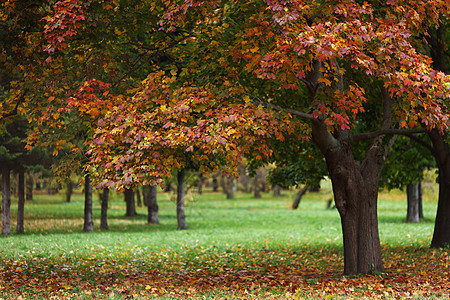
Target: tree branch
<point>374,134</point>
<point>420,142</point>
<point>14,111</point>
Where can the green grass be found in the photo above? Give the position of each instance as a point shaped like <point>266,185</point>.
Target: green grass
<point>260,236</point>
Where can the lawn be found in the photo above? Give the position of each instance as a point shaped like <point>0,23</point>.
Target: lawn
<point>244,248</point>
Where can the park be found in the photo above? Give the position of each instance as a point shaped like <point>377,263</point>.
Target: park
<point>224,149</point>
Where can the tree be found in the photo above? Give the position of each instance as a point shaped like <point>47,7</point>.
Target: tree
<point>232,89</point>
<point>438,41</point>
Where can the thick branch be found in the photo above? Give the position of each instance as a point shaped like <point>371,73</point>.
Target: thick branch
<point>420,142</point>
<point>374,134</point>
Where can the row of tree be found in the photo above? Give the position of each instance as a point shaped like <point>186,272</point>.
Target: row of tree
<point>131,92</point>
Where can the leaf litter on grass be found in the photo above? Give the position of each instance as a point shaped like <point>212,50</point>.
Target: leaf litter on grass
<point>224,273</point>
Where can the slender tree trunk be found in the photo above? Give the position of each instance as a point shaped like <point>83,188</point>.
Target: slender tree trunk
<point>129,199</point>
<point>215,183</point>
<point>29,188</point>
<point>152,205</point>
<point>138,197</point>
<point>230,187</point>
<point>88,219</point>
<point>413,194</point>
<point>441,235</point>
<point>256,187</point>
<point>21,201</point>
<point>181,218</point>
<point>69,190</point>
<point>200,184</point>
<point>299,196</point>
<point>6,202</point>
<point>420,201</point>
<point>104,209</point>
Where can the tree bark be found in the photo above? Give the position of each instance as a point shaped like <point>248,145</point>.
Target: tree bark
<point>420,201</point>
<point>230,187</point>
<point>138,197</point>
<point>215,183</point>
<point>6,202</point>
<point>129,199</point>
<point>104,209</point>
<point>355,188</point>
<point>299,196</point>
<point>441,235</point>
<point>412,194</point>
<point>152,204</point>
<point>69,190</point>
<point>21,201</point>
<point>29,188</point>
<point>181,218</point>
<point>88,219</point>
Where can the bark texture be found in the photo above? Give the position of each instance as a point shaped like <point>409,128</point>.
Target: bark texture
<point>181,217</point>
<point>129,199</point>
<point>413,198</point>
<point>6,202</point>
<point>88,220</point>
<point>29,188</point>
<point>152,205</point>
<point>355,188</point>
<point>441,235</point>
<point>104,209</point>
<point>21,202</point>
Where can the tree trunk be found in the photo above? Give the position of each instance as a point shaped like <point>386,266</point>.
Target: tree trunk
<point>21,201</point>
<point>181,218</point>
<point>441,235</point>
<point>355,189</point>
<point>413,194</point>
<point>299,196</point>
<point>129,199</point>
<point>88,220</point>
<point>215,183</point>
<point>138,197</point>
<point>152,204</point>
<point>29,188</point>
<point>104,209</point>
<point>420,201</point>
<point>6,202</point>
<point>256,187</point>
<point>277,191</point>
<point>200,184</point>
<point>69,190</point>
<point>230,187</point>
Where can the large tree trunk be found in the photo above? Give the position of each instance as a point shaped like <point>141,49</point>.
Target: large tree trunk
<point>129,199</point>
<point>21,201</point>
<point>441,235</point>
<point>181,218</point>
<point>104,209</point>
<point>413,195</point>
<point>6,202</point>
<point>29,188</point>
<point>88,219</point>
<point>355,188</point>
<point>152,204</point>
<point>441,148</point>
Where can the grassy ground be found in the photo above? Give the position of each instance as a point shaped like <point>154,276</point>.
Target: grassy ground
<point>240,249</point>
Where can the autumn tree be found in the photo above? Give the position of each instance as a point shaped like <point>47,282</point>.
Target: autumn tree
<point>243,73</point>
<point>327,64</point>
